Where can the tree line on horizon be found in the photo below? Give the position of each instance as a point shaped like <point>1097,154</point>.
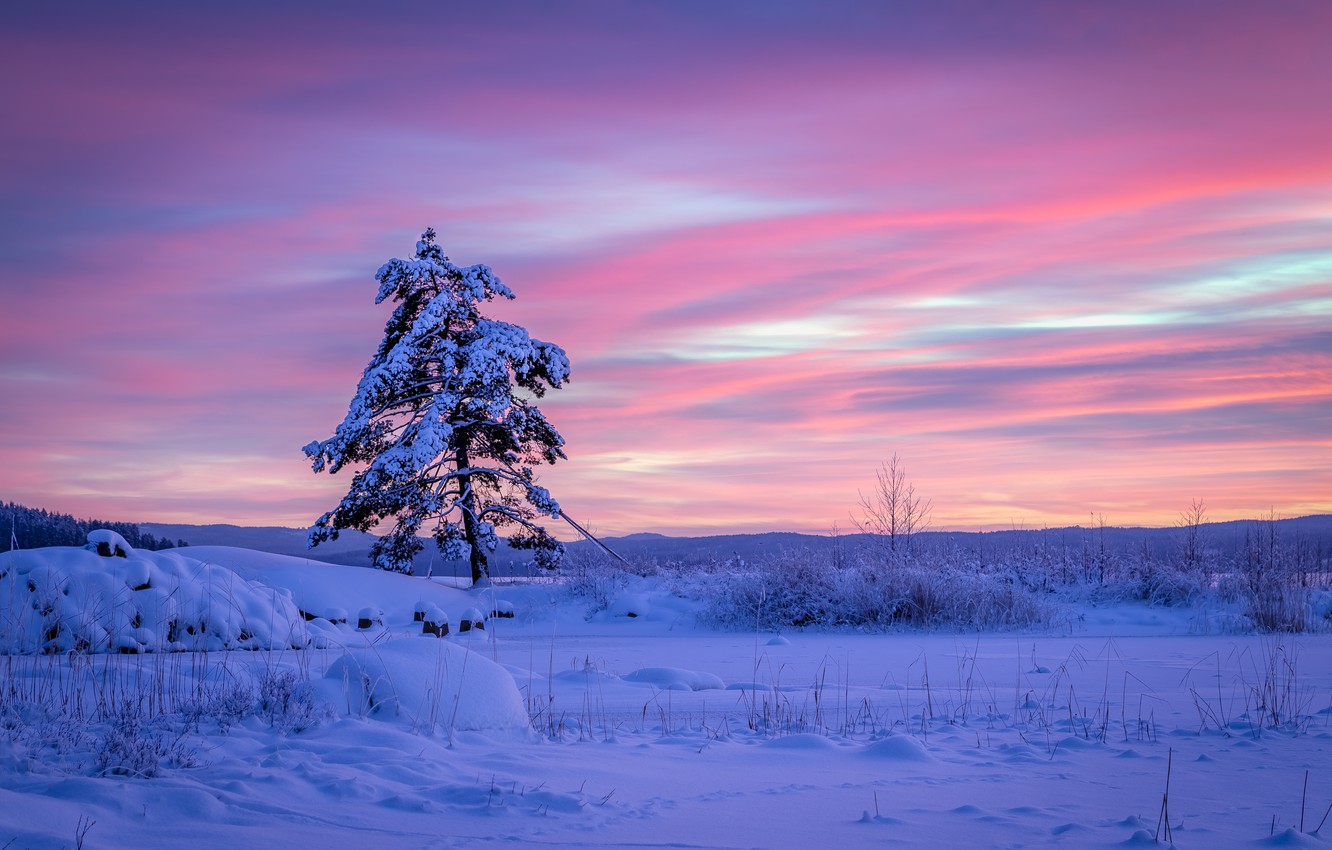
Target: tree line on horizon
<point>34,528</point>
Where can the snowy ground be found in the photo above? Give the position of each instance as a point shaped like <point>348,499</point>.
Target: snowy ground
<point>645,731</point>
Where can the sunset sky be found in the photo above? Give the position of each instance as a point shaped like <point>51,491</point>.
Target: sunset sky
<point>1063,258</point>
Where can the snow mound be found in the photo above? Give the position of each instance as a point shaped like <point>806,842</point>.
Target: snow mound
<point>674,679</point>
<point>801,741</point>
<point>109,597</point>
<point>630,605</point>
<point>650,599</point>
<point>899,748</point>
<point>763,686</point>
<point>430,684</point>
<point>585,676</point>
<point>1290,837</point>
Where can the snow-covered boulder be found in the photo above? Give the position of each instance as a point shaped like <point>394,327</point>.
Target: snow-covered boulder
<point>368,618</point>
<point>434,622</point>
<point>471,619</point>
<point>108,543</point>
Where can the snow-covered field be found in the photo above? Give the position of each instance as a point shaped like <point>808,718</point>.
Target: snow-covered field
<point>554,728</point>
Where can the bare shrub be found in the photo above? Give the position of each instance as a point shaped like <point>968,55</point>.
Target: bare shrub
<point>287,702</point>
<point>226,705</point>
<point>129,746</point>
<point>1278,608</point>
<point>1273,579</point>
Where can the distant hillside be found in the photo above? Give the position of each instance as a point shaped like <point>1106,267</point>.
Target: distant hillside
<point>354,548</point>
<point>35,527</point>
<point>1159,542</point>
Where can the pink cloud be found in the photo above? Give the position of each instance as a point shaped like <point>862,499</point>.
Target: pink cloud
<point>1062,262</point>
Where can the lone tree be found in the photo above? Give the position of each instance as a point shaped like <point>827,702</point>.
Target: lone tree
<point>440,420</point>
<point>1193,544</point>
<point>892,511</point>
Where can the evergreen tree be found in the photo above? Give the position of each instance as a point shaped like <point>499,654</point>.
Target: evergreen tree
<point>444,425</point>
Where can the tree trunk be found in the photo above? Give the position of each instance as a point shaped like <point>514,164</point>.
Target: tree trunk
<point>480,569</point>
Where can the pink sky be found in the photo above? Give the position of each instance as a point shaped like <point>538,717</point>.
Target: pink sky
<point>1063,259</point>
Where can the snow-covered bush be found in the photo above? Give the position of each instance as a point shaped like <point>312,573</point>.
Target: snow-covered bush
<point>800,589</point>
<point>592,576</point>
<point>1161,584</point>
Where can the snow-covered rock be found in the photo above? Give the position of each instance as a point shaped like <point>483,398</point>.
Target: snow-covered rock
<point>108,543</point>
<point>471,619</point>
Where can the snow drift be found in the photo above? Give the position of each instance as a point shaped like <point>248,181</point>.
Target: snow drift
<point>110,597</point>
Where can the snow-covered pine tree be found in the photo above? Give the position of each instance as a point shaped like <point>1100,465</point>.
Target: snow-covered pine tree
<point>443,422</point>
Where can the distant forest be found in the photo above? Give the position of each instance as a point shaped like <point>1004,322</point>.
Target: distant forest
<point>33,528</point>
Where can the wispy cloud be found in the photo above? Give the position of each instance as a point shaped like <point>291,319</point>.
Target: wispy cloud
<point>1069,260</point>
